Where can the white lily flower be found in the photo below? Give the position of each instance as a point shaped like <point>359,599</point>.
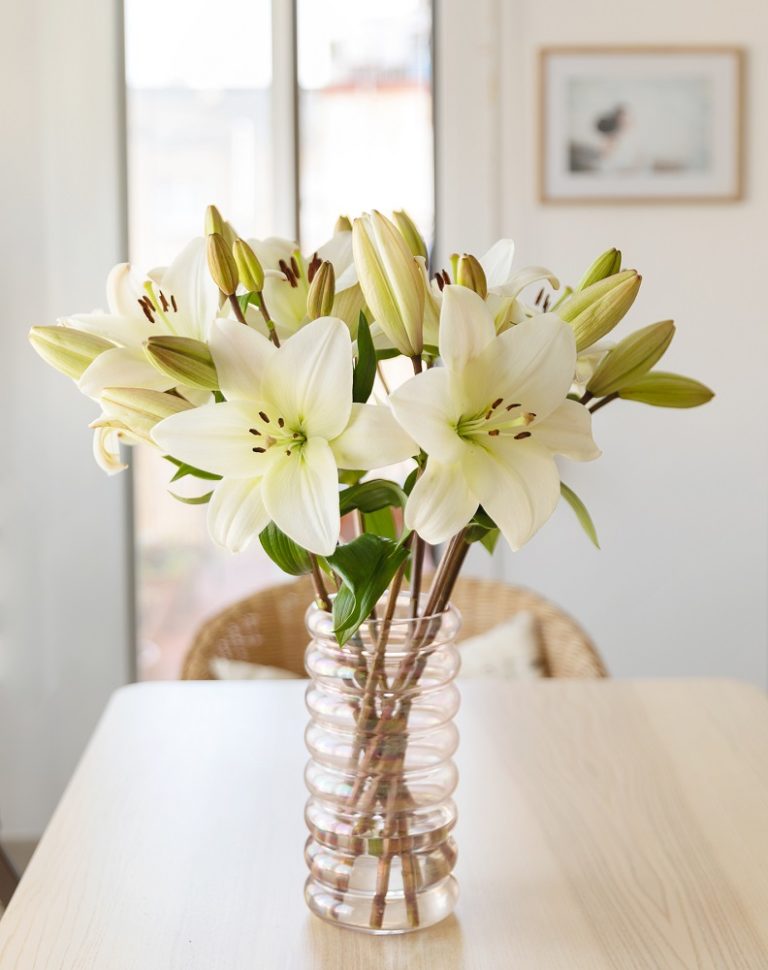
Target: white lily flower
<point>505,285</point>
<point>287,426</point>
<point>286,283</point>
<point>181,300</point>
<point>491,422</point>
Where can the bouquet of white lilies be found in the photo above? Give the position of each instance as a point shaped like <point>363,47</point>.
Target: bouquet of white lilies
<point>263,373</point>
<point>254,369</point>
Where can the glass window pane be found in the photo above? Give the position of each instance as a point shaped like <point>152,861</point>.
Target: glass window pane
<point>366,141</point>
<point>199,78</point>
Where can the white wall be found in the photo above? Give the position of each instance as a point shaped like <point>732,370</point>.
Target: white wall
<point>679,498</point>
<point>63,524</point>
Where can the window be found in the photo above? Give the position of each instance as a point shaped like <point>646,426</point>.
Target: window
<point>201,129</point>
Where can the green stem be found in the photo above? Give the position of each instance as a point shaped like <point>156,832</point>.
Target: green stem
<point>321,593</point>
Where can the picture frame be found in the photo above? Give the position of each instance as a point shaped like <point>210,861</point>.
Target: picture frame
<point>641,124</point>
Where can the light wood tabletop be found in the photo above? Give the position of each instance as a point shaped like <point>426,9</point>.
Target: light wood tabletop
<point>602,825</point>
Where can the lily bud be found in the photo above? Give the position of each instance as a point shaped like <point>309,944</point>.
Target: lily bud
<point>139,410</point>
<point>69,350</point>
<point>410,233</point>
<point>322,291</point>
<point>631,358</point>
<point>608,264</point>
<point>595,311</point>
<point>213,221</point>
<point>342,225</point>
<point>390,280</point>
<point>664,390</point>
<point>470,273</point>
<point>185,360</point>
<point>221,264</point>
<point>248,266</point>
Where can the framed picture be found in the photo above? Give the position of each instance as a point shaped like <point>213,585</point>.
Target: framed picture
<point>641,124</point>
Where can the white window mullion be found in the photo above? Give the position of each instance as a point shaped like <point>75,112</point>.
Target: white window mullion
<point>285,140</point>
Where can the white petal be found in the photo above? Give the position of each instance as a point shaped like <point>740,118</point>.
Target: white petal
<point>426,408</point>
<point>301,494</point>
<point>236,513</point>
<point>525,277</point>
<point>466,327</point>
<point>241,356</point>
<point>338,251</point>
<point>215,438</point>
<point>441,502</point>
<point>287,305</point>
<point>309,379</point>
<point>568,431</point>
<point>195,395</point>
<point>532,364</point>
<point>270,251</point>
<point>124,291</point>
<point>497,262</point>
<point>517,483</point>
<point>106,449</point>
<point>197,298</point>
<point>372,439</point>
<point>126,331</point>
<point>122,367</point>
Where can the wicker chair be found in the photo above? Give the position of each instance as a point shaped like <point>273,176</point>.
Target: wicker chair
<point>268,628</point>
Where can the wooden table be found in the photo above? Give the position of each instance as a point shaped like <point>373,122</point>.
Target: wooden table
<point>603,825</point>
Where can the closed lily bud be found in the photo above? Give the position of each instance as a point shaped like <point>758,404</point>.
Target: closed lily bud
<point>390,280</point>
<point>69,350</point>
<point>221,264</point>
<point>185,360</point>
<point>663,390</point>
<point>470,273</point>
<point>342,225</point>
<point>213,221</point>
<point>595,311</point>
<point>139,410</point>
<point>632,357</point>
<point>410,233</point>
<point>607,264</point>
<point>322,291</point>
<point>248,266</point>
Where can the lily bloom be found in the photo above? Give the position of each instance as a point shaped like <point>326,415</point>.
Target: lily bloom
<point>287,425</point>
<point>491,421</point>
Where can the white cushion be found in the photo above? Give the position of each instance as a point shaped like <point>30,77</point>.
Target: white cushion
<point>510,651</point>
<point>223,668</point>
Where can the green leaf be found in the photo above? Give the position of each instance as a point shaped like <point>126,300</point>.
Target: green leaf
<point>366,566</point>
<point>196,500</point>
<point>365,368</point>
<point>371,496</point>
<point>410,481</point>
<point>490,539</point>
<point>287,554</point>
<point>663,390</point>
<point>183,469</point>
<point>387,353</point>
<point>381,523</point>
<point>585,519</point>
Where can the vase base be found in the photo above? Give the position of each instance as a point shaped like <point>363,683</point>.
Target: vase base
<point>355,910</point>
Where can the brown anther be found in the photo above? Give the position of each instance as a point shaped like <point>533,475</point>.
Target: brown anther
<point>523,434</point>
<point>146,309</point>
<point>446,278</point>
<point>510,406</point>
<point>440,282</point>
<point>314,265</point>
<point>496,403</point>
<point>173,303</point>
<point>280,423</point>
<point>163,302</point>
<point>259,451</point>
<point>488,414</point>
<point>539,295</point>
<point>494,432</point>
<point>288,452</point>
<point>545,305</point>
<point>254,431</point>
<point>264,417</point>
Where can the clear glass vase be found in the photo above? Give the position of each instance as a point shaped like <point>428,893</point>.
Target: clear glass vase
<point>381,738</point>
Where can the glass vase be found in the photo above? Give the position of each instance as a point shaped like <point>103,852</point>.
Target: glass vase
<point>381,739</point>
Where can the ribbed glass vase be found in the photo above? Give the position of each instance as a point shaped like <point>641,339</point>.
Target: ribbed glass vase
<point>381,739</point>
